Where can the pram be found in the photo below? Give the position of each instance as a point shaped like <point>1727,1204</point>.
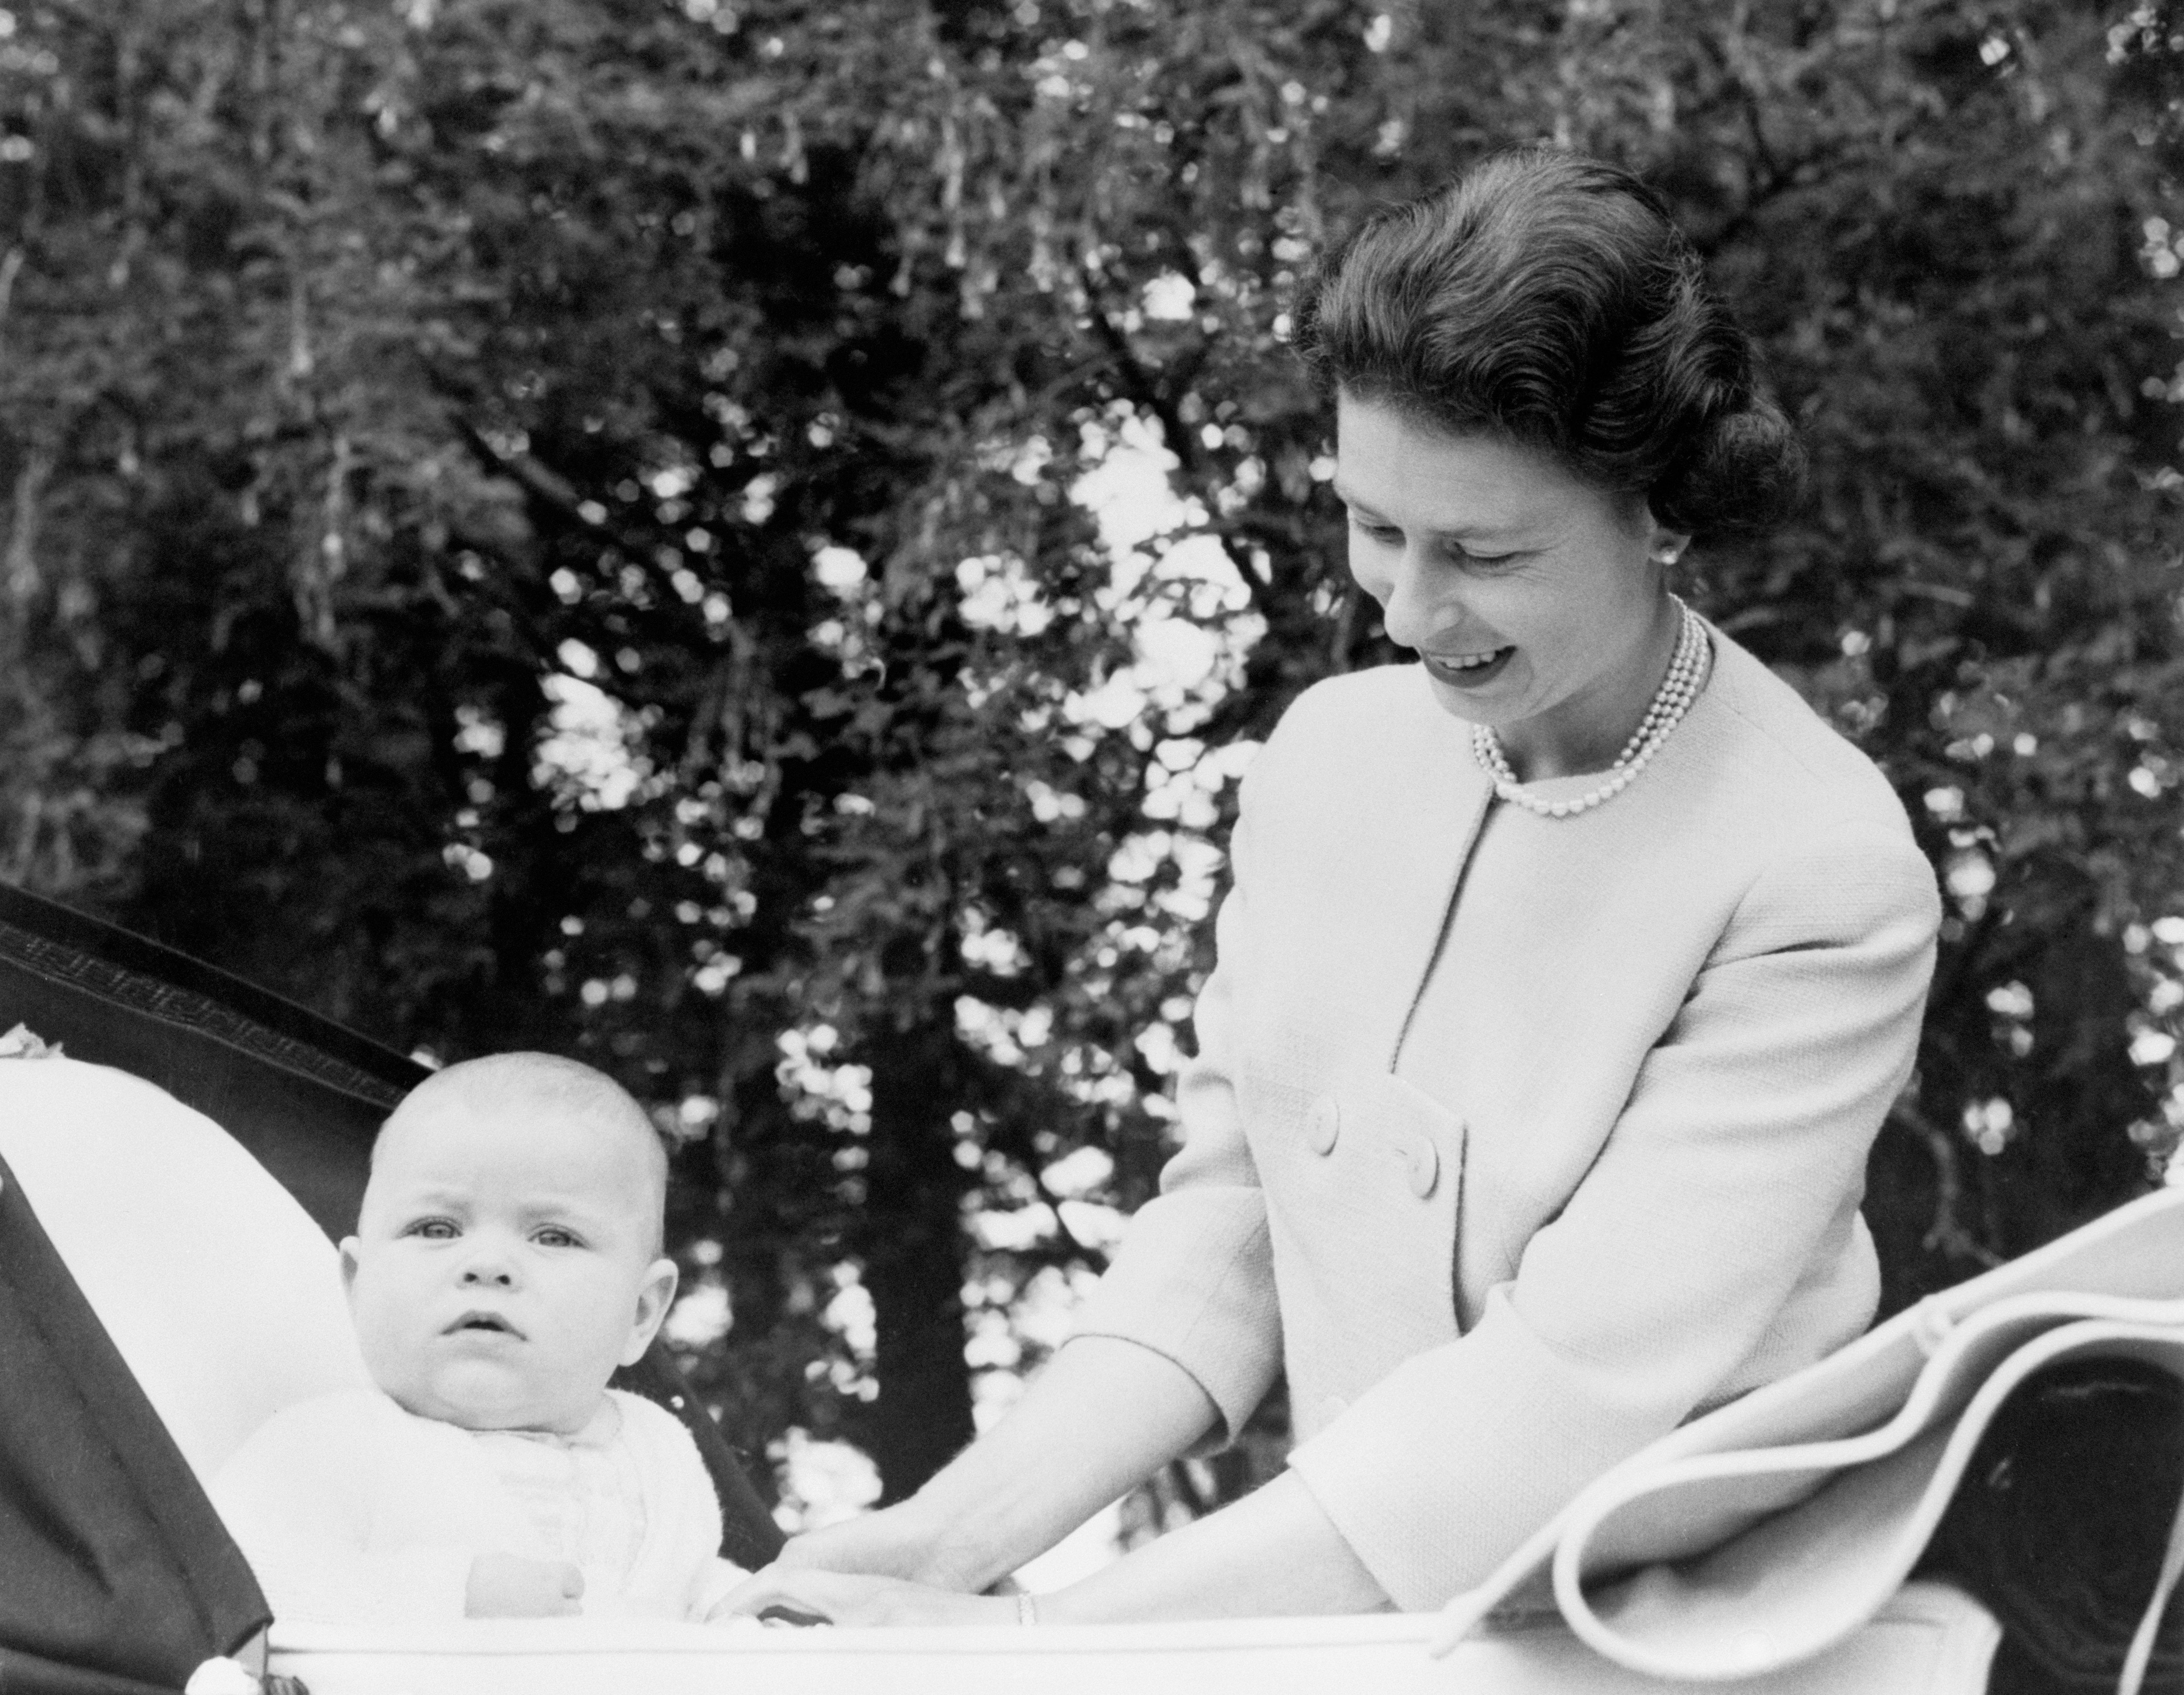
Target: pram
<point>169,1186</point>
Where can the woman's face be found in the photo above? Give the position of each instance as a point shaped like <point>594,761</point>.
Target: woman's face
<point>1535,600</point>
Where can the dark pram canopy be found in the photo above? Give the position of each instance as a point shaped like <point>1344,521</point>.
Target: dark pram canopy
<point>116,1577</point>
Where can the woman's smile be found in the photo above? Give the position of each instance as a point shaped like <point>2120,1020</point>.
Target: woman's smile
<point>1468,670</point>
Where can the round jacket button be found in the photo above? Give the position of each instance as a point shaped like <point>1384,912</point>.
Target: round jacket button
<point>1422,1164</point>
<point>1324,1127</point>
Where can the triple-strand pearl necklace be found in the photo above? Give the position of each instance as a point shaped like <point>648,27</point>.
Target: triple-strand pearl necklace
<point>1679,688</point>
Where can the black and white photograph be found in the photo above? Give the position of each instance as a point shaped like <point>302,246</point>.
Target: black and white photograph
<point>1124,847</point>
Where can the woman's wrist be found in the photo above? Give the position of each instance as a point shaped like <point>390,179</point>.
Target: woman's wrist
<point>1118,1408</point>
<point>1274,1553</point>
<point>955,1558</point>
<point>977,1518</point>
<point>938,1541</point>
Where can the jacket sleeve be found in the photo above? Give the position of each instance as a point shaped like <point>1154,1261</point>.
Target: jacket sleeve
<point>1193,1277</point>
<point>1741,1147</point>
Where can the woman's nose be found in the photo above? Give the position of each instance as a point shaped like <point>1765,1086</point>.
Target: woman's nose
<point>1414,611</point>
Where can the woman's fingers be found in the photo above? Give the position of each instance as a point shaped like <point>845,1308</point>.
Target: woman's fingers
<point>853,1598</point>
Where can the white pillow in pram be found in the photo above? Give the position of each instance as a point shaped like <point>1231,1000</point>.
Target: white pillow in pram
<point>221,1292</point>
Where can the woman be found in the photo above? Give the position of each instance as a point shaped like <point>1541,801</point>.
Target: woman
<point>1567,977</point>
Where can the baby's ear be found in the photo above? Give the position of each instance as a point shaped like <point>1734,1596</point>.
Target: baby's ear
<point>654,1298</point>
<point>349,1245</point>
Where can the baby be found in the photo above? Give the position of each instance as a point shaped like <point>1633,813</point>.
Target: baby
<point>506,1260</point>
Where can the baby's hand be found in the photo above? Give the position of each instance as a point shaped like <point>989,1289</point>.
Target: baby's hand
<point>507,1586</point>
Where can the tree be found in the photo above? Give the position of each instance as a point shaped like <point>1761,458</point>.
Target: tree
<point>580,525</point>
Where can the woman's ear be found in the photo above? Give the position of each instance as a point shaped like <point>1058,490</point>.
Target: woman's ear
<point>654,1298</point>
<point>1667,546</point>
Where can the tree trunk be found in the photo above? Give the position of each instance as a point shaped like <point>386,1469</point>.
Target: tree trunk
<point>913,1258</point>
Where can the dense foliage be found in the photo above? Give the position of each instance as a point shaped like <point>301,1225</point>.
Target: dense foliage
<point>752,543</point>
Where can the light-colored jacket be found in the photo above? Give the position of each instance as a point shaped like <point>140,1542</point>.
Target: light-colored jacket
<point>1514,1140</point>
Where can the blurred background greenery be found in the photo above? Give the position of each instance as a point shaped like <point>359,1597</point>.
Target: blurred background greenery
<point>752,543</point>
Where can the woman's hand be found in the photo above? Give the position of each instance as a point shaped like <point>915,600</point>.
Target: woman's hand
<point>842,1598</point>
<point>1102,1414</point>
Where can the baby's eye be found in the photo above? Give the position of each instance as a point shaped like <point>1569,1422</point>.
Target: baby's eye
<point>553,1235</point>
<point>434,1229</point>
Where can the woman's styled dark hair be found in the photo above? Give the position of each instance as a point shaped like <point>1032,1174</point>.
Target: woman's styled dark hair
<point>1549,298</point>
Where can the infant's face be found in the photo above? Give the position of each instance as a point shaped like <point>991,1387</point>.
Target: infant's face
<point>503,1266</point>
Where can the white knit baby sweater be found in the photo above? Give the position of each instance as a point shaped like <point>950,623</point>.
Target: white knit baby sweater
<point>351,1510</point>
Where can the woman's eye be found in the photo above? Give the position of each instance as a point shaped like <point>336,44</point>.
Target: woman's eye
<point>1386,534</point>
<point>1480,561</point>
